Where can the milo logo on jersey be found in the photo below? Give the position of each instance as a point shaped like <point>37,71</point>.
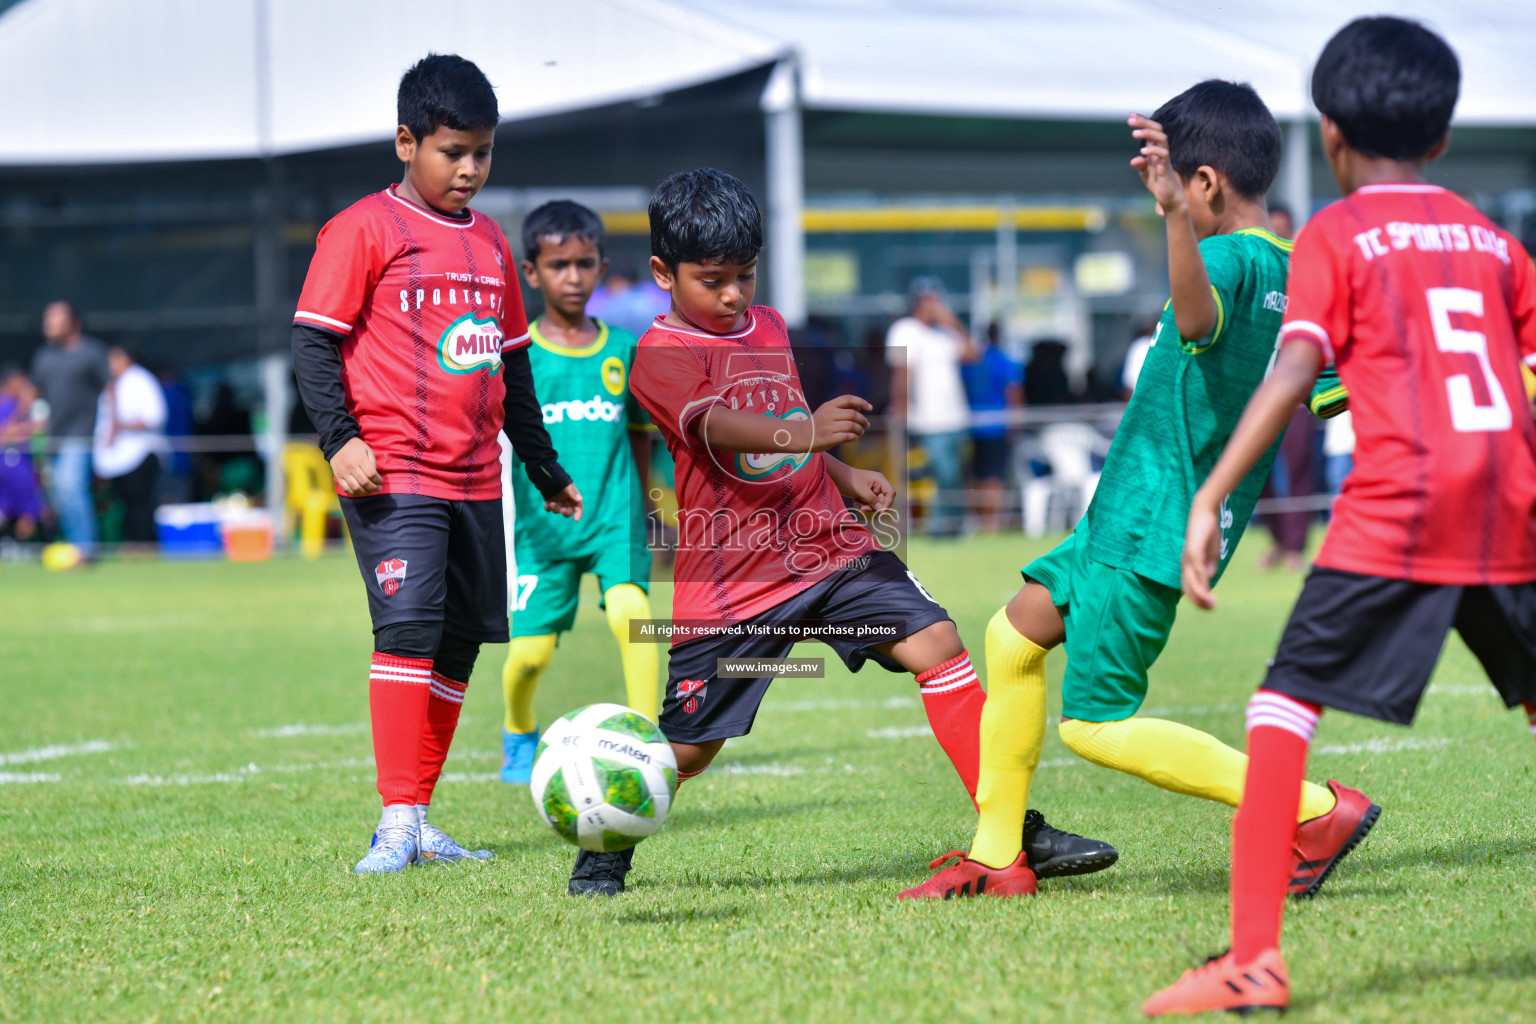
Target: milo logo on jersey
<point>470,344</point>
<point>764,383</point>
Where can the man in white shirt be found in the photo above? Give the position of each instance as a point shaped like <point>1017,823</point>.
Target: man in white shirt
<point>130,435</point>
<point>925,350</point>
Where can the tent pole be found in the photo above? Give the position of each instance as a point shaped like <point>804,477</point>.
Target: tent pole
<point>786,193</point>
<point>1296,171</point>
<point>271,335</point>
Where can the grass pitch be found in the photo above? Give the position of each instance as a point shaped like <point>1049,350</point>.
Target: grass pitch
<point>186,782</point>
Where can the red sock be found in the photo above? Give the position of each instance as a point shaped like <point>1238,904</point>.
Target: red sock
<point>397,703</point>
<point>447,698</point>
<point>1530,714</point>
<point>953,699</point>
<point>1264,830</point>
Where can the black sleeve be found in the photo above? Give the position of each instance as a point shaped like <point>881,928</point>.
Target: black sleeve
<point>524,426</point>
<point>317,368</point>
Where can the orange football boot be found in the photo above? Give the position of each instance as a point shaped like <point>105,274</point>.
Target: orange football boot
<point>1323,841</point>
<point>1224,985</point>
<point>973,878</point>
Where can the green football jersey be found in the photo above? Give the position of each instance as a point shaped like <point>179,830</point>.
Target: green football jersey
<point>589,413</point>
<point>1187,402</point>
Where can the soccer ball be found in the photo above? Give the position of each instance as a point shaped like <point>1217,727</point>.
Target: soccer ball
<point>604,777</point>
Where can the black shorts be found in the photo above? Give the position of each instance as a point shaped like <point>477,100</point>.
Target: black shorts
<point>1367,644</point>
<point>989,458</point>
<point>699,706</point>
<point>432,560</point>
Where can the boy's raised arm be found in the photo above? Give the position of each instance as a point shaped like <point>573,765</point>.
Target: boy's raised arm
<point>1265,418</point>
<point>1194,307</point>
<point>835,422</point>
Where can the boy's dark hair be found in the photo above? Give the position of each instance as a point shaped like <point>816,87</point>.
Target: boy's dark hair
<point>1225,126</point>
<point>443,90</point>
<point>1389,84</point>
<point>561,220</point>
<point>704,215</point>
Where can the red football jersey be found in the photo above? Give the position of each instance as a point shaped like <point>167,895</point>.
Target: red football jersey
<point>753,530</point>
<point>426,305</point>
<point>1428,310</point>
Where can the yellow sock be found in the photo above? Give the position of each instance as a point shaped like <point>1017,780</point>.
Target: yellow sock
<point>626,601</point>
<point>1012,732</point>
<point>1176,758</point>
<point>527,658</point>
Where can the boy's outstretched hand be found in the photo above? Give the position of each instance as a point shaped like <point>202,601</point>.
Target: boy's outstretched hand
<point>1202,551</point>
<point>356,469</point>
<point>1153,165</point>
<point>869,489</point>
<point>567,503</point>
<point>839,421</point>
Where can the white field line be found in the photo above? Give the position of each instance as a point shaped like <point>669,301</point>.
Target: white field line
<point>19,778</point>
<point>1384,746</point>
<point>244,773</point>
<point>52,753</point>
<point>284,732</point>
<point>1463,689</point>
<point>123,623</point>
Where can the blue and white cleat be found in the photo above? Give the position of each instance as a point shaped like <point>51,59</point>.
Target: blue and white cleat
<point>517,756</point>
<point>437,845</point>
<point>394,848</point>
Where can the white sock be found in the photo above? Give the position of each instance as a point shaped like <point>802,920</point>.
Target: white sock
<point>421,814</point>
<point>399,814</point>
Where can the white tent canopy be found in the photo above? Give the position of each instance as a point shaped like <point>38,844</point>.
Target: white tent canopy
<point>107,81</point>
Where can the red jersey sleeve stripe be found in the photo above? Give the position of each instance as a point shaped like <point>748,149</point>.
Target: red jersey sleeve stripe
<point>513,344</point>
<point>1309,332</point>
<point>692,411</point>
<point>316,320</point>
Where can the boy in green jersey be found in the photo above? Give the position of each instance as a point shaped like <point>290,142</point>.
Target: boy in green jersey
<point>581,374</point>
<point>1110,591</point>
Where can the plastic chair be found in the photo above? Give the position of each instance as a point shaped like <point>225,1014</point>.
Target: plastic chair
<point>311,496</point>
<point>1063,496</point>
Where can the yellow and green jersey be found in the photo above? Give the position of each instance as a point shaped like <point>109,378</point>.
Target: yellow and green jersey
<point>589,413</point>
<point>1187,402</point>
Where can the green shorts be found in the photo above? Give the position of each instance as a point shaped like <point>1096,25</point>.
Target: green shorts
<point>1117,624</point>
<point>548,590</point>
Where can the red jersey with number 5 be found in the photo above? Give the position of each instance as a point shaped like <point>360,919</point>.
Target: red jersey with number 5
<point>1428,310</point>
<point>426,305</point>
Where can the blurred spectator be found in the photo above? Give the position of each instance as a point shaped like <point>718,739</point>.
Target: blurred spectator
<point>176,473</point>
<point>1135,356</point>
<point>20,505</point>
<point>71,371</point>
<point>994,384</point>
<point>130,438</point>
<point>626,301</point>
<point>1045,377</point>
<point>1282,221</point>
<point>1338,451</point>
<point>925,350</point>
<point>1293,476</point>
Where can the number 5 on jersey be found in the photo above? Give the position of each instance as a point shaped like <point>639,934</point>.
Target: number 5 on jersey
<point>1467,416</point>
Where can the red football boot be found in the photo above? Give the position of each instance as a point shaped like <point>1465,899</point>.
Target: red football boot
<point>972,878</point>
<point>1323,841</point>
<point>1224,985</point>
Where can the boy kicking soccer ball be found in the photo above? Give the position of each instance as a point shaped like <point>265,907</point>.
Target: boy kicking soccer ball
<point>1109,593</point>
<point>766,542</point>
<point>410,349</point>
<point>1428,310</point>
<point>581,369</point>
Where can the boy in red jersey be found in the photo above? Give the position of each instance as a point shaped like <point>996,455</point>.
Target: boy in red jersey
<point>409,347</point>
<point>1428,310</point>
<point>766,543</point>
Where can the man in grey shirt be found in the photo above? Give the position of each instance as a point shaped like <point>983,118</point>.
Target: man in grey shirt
<point>71,371</point>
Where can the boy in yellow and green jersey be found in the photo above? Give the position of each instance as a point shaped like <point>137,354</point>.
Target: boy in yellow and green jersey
<point>1109,593</point>
<point>581,374</point>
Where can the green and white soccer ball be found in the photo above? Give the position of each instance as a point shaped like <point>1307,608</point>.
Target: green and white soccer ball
<point>604,777</point>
